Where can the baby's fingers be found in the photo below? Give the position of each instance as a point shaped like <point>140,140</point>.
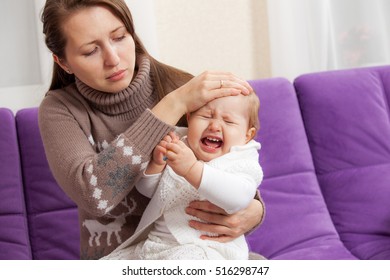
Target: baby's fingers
<point>161,149</point>
<point>174,137</point>
<point>167,138</point>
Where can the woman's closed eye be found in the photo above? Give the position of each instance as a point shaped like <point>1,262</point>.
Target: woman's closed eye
<point>120,38</point>
<point>91,52</point>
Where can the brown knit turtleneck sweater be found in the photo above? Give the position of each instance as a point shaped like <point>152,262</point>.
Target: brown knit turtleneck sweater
<point>96,144</point>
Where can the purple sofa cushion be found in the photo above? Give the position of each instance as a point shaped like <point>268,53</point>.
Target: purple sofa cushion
<point>52,216</point>
<point>297,224</point>
<point>346,115</point>
<point>14,241</point>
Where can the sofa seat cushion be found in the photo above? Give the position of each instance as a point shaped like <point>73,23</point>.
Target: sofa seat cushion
<point>14,241</point>
<point>52,216</point>
<point>297,224</point>
<point>346,116</point>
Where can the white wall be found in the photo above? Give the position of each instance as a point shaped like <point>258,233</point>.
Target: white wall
<point>196,35</point>
<point>23,69</point>
<point>144,17</point>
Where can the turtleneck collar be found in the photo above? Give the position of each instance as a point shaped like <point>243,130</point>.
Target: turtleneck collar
<point>133,100</point>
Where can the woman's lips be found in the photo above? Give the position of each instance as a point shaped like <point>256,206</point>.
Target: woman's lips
<point>117,76</point>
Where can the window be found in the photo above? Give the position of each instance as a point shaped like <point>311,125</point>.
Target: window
<point>19,53</point>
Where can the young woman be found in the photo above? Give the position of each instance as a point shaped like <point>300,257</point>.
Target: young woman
<point>109,104</point>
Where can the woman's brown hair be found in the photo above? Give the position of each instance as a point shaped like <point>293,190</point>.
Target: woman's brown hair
<point>56,12</point>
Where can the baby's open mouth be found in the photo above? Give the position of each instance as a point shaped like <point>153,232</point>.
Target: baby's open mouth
<point>212,142</point>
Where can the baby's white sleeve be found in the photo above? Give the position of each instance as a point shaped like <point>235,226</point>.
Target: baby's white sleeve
<point>148,183</point>
<point>230,191</point>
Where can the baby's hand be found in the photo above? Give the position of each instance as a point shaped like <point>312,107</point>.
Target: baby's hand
<point>158,161</point>
<point>180,157</point>
<point>160,150</point>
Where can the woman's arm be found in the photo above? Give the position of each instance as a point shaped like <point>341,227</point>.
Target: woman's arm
<point>95,181</point>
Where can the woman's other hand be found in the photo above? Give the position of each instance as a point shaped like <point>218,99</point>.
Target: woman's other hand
<point>222,226</point>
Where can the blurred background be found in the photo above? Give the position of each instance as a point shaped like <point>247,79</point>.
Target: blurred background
<point>254,39</point>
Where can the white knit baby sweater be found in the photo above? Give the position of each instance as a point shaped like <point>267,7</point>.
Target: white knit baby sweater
<point>229,181</point>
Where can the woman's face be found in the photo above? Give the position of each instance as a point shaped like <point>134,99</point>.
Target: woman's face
<point>99,50</point>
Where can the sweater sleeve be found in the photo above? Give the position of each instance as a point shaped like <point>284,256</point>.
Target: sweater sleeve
<point>96,181</point>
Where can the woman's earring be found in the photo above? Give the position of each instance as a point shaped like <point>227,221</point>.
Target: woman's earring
<point>68,71</point>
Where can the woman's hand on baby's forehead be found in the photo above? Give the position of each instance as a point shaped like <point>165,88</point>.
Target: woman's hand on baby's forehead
<point>208,86</point>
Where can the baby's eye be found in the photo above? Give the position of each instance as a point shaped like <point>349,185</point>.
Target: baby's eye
<point>229,122</point>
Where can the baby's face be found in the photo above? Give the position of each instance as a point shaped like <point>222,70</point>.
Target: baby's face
<point>219,125</point>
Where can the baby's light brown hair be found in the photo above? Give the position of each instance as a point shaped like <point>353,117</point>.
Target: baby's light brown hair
<point>253,110</point>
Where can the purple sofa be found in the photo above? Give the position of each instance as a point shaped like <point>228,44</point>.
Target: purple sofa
<point>325,155</point>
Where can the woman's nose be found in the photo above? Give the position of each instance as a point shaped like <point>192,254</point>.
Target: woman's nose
<point>111,56</point>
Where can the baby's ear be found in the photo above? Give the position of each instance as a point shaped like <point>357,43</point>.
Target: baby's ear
<point>250,134</point>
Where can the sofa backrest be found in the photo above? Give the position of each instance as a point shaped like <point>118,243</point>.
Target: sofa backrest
<point>297,224</point>
<point>346,116</point>
<point>14,239</point>
<point>52,216</point>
